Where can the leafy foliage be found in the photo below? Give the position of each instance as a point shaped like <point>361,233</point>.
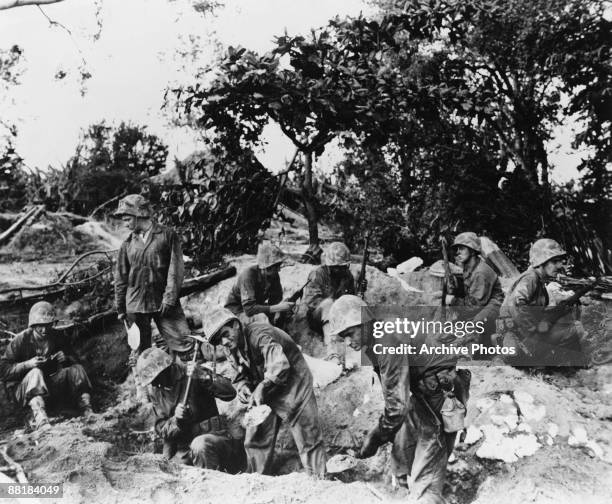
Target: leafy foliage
<point>224,201</point>
<point>12,180</point>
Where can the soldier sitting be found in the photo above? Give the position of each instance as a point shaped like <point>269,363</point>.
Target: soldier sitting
<point>37,366</point>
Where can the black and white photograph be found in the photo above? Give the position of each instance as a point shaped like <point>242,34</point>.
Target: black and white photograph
<point>306,251</point>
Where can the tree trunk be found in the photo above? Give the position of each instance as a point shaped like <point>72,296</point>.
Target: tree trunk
<point>9,4</point>
<point>310,204</point>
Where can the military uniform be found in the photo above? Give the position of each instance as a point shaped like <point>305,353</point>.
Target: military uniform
<point>269,355</point>
<point>202,439</point>
<point>52,380</point>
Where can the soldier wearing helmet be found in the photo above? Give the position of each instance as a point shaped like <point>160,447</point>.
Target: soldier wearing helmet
<point>270,370</point>
<point>326,283</point>
<point>520,324</point>
<point>149,275</point>
<point>257,294</point>
<point>38,367</point>
<point>481,294</point>
<point>415,390</point>
<point>193,431</point>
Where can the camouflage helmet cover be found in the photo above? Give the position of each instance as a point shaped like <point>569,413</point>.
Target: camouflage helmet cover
<point>337,254</point>
<point>135,205</point>
<point>41,313</point>
<point>213,321</point>
<point>346,312</point>
<point>468,239</point>
<point>544,250</point>
<point>269,255</point>
<point>150,363</point>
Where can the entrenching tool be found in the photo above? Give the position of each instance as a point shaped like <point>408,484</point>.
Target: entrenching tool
<point>198,340</point>
<point>133,335</point>
<point>364,263</point>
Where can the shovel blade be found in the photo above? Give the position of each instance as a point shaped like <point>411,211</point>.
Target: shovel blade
<point>133,335</point>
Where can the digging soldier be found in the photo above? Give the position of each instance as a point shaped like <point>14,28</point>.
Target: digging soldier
<point>149,276</point>
<point>325,284</point>
<point>425,403</point>
<point>257,294</point>
<point>522,324</point>
<point>192,430</point>
<point>38,367</point>
<point>271,370</point>
<point>481,294</point>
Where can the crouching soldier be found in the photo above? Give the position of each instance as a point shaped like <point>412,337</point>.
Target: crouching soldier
<point>257,294</point>
<point>38,367</point>
<point>523,324</point>
<point>271,370</point>
<point>425,403</point>
<point>191,430</point>
<point>326,283</point>
<point>481,294</point>
<point>149,277</point>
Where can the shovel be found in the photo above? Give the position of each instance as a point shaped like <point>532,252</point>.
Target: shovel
<point>133,335</point>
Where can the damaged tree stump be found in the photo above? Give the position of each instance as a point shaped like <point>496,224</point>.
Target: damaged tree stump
<point>26,219</point>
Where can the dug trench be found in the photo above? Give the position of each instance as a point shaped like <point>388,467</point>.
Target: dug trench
<point>532,438</point>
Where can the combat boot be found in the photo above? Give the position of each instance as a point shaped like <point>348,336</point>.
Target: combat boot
<point>85,405</point>
<point>40,419</point>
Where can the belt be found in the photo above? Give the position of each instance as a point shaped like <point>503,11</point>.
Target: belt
<point>212,424</point>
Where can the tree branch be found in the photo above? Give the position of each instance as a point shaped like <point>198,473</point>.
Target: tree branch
<point>9,4</point>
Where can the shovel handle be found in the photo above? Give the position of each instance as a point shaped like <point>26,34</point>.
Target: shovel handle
<point>189,380</point>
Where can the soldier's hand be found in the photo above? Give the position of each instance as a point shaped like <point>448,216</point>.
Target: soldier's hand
<point>244,394</point>
<point>285,306</point>
<point>60,357</point>
<point>35,362</point>
<point>165,309</point>
<point>133,358</point>
<point>257,398</point>
<point>181,412</point>
<point>121,317</point>
<point>370,444</point>
<point>191,366</point>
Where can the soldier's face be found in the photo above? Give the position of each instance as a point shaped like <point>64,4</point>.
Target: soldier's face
<point>353,337</point>
<point>229,335</point>
<point>462,254</point>
<point>43,330</point>
<point>554,266</point>
<point>130,222</point>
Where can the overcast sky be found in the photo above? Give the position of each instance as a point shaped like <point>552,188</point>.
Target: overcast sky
<point>133,62</point>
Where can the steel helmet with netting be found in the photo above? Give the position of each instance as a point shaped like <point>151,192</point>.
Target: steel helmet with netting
<point>544,250</point>
<point>468,239</point>
<point>134,205</point>
<point>41,313</point>
<point>214,320</point>
<point>150,363</point>
<point>347,311</point>
<point>269,255</point>
<point>337,254</point>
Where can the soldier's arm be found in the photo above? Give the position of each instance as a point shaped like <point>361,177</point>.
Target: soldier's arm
<point>313,292</point>
<point>248,286</point>
<point>122,272</point>
<point>176,271</point>
<point>395,380</point>
<point>523,313</point>
<point>220,386</point>
<point>276,364</point>
<point>11,367</point>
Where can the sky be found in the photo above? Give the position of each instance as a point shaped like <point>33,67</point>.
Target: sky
<point>135,59</point>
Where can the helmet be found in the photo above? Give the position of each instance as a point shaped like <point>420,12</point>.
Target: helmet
<point>469,240</point>
<point>337,254</point>
<point>41,313</point>
<point>135,205</point>
<point>544,250</point>
<point>346,312</point>
<point>269,255</point>
<point>150,363</point>
<point>214,320</point>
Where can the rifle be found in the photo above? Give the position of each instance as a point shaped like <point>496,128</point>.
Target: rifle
<point>449,280</point>
<point>364,262</point>
<point>553,313</point>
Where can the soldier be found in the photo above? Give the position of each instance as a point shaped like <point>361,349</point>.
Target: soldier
<point>325,284</point>
<point>425,402</point>
<point>193,431</point>
<point>257,294</point>
<point>271,370</point>
<point>37,366</point>
<point>149,276</point>
<point>521,323</point>
<point>481,294</point>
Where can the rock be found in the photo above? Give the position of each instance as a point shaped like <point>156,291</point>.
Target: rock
<point>323,372</point>
<point>553,429</point>
<point>472,435</point>
<point>578,436</point>
<point>527,407</point>
<point>499,446</point>
<point>409,265</point>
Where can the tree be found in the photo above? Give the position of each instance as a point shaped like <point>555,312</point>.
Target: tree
<point>335,82</point>
<point>9,4</point>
